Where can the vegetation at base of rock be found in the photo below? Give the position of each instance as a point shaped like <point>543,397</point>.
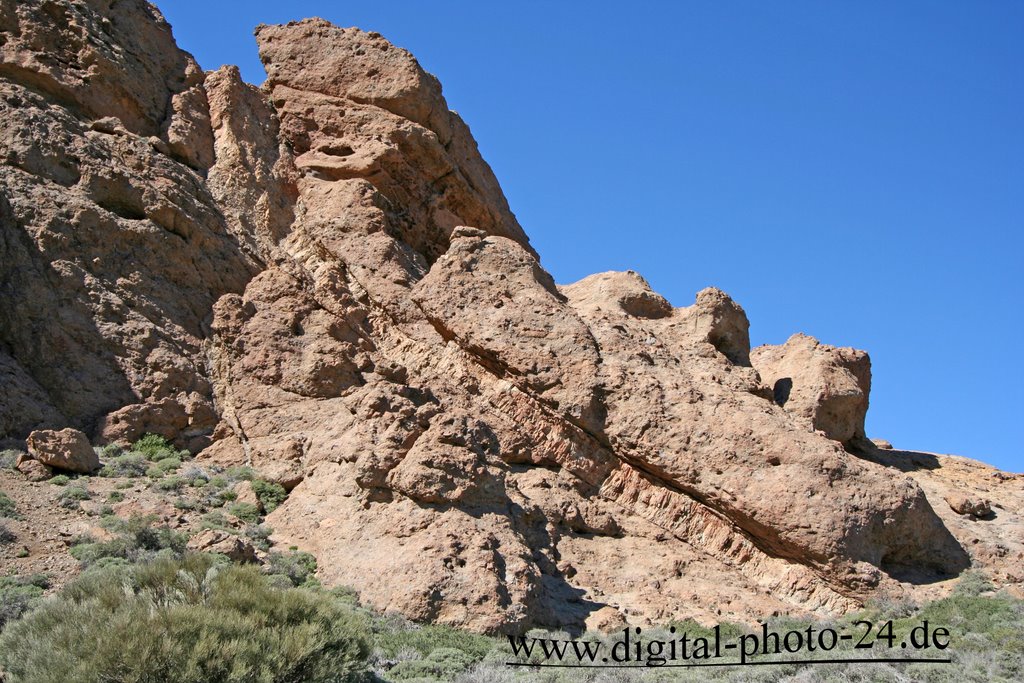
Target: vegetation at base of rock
<point>171,606</point>
<point>125,465</point>
<point>157,448</point>
<point>247,512</point>
<point>138,540</point>
<point>298,567</point>
<point>270,494</point>
<point>7,507</point>
<point>188,619</point>
<point>151,456</point>
<point>60,480</point>
<point>9,459</point>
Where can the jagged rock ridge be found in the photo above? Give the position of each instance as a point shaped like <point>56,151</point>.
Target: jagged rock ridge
<point>321,278</point>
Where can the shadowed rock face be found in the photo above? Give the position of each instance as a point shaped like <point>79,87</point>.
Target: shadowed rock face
<point>322,279</point>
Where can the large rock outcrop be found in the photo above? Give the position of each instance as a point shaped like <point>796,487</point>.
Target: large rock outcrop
<point>322,279</point>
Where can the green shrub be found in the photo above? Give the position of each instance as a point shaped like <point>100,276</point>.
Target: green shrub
<point>239,473</point>
<point>346,595</point>
<point>7,507</point>
<point>259,534</point>
<point>170,464</point>
<point>60,480</point>
<point>18,594</point>
<point>76,492</point>
<point>71,496</point>
<point>217,521</point>
<point>247,512</point>
<point>138,540</point>
<point>443,664</point>
<point>126,465</point>
<point>171,483</point>
<point>111,450</point>
<point>297,567</point>
<point>972,583</point>
<point>155,448</point>
<point>184,621</point>
<point>429,637</point>
<point>270,494</point>
<point>8,459</point>
<point>115,497</point>
<point>196,476</point>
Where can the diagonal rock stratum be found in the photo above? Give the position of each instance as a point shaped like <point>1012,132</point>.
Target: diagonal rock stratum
<point>321,278</point>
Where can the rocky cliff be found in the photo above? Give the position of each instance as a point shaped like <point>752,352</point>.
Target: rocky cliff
<point>321,278</point>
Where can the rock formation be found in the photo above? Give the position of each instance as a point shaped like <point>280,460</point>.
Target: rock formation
<point>322,279</point>
<point>824,386</point>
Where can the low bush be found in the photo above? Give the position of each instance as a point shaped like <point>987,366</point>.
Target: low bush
<point>9,459</point>
<point>298,567</point>
<point>183,621</point>
<point>171,483</point>
<point>137,540</point>
<point>217,521</point>
<point>196,476</point>
<point>72,496</point>
<point>270,494</point>
<point>156,448</point>
<point>259,535</point>
<point>76,492</point>
<point>239,473</point>
<point>443,664</point>
<point>18,594</point>
<point>125,465</point>
<point>60,480</point>
<point>391,638</point>
<point>247,512</point>
<point>7,507</point>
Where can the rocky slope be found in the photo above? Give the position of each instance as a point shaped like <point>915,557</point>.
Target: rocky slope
<point>321,278</point>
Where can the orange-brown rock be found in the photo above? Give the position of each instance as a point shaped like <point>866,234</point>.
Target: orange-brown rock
<point>66,449</point>
<point>825,386</point>
<point>321,279</point>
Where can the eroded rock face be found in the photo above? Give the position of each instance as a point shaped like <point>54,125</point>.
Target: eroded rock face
<point>825,386</point>
<point>322,279</point>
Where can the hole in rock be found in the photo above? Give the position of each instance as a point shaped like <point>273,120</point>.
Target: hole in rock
<point>337,150</point>
<point>124,209</point>
<point>781,390</point>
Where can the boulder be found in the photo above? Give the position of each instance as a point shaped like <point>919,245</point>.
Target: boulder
<point>33,469</point>
<point>824,386</point>
<point>214,541</point>
<point>245,493</point>
<point>970,506</point>
<point>66,449</point>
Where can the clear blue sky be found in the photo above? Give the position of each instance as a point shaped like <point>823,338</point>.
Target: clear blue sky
<point>854,171</point>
